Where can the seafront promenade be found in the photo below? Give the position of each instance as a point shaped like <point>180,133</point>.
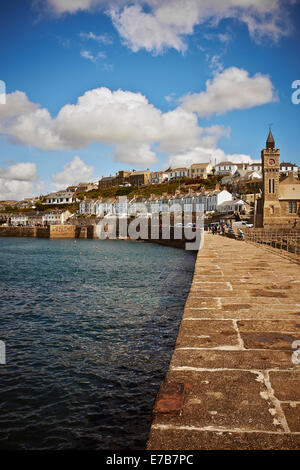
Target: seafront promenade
<point>234,377</point>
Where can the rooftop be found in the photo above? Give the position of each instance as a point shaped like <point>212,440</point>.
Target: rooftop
<point>199,165</point>
<point>225,163</point>
<point>288,164</point>
<point>289,188</point>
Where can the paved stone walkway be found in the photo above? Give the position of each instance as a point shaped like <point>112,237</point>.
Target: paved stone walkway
<point>233,381</point>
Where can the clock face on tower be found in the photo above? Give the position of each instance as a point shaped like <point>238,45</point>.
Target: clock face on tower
<point>271,161</point>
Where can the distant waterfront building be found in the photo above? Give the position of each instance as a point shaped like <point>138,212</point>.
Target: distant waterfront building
<point>166,203</point>
<point>285,167</point>
<point>27,220</point>
<point>83,187</point>
<point>19,219</point>
<point>213,199</point>
<point>61,197</point>
<point>125,178</point>
<point>199,170</point>
<point>242,166</point>
<point>40,218</point>
<point>139,178</point>
<point>107,182</point>
<point>280,201</point>
<point>122,178</point>
<point>255,166</point>
<point>98,207</point>
<point>55,217</point>
<point>178,173</point>
<point>225,168</point>
<point>158,177</point>
<point>235,205</point>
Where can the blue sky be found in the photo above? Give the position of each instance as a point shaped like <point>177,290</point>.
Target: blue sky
<point>150,84</point>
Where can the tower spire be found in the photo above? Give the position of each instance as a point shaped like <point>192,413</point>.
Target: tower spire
<point>270,144</point>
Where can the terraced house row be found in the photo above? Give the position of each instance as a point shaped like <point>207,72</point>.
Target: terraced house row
<point>213,201</point>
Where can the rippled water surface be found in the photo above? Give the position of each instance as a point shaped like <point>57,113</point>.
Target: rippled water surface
<point>89,329</point>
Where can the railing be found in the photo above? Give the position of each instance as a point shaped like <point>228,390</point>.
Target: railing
<point>285,241</point>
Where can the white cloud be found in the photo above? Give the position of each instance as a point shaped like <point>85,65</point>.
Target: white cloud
<point>73,173</point>
<point>20,171</point>
<point>101,38</point>
<point>108,67</point>
<point>16,190</point>
<point>87,55</point>
<point>225,38</point>
<point>137,154</point>
<point>18,181</point>
<point>71,6</point>
<point>34,128</point>
<point>123,119</point>
<point>93,58</point>
<point>16,103</point>
<point>215,62</point>
<point>230,89</point>
<point>167,23</point>
<point>128,122</point>
<point>171,97</point>
<point>140,30</point>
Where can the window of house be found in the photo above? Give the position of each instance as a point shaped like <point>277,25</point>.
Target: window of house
<point>292,207</point>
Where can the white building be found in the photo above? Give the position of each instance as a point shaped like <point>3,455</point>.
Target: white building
<point>55,217</point>
<point>61,197</point>
<point>207,201</point>
<point>224,168</point>
<point>139,205</point>
<point>200,170</point>
<point>19,219</point>
<point>255,166</point>
<point>98,207</point>
<point>121,206</point>
<point>211,200</point>
<point>236,205</point>
<point>285,167</point>
<point>177,173</point>
<point>158,177</point>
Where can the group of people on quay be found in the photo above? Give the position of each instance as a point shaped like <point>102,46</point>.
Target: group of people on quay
<point>221,228</point>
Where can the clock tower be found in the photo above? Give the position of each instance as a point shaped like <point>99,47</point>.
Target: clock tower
<point>270,158</point>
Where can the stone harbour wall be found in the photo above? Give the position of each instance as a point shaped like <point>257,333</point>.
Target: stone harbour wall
<point>234,378</point>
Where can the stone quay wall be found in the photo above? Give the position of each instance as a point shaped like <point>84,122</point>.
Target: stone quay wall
<point>90,232</point>
<point>234,377</point>
<point>17,231</point>
<point>51,231</point>
<point>62,231</point>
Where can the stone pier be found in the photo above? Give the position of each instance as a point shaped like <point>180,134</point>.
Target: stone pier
<point>234,377</point>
